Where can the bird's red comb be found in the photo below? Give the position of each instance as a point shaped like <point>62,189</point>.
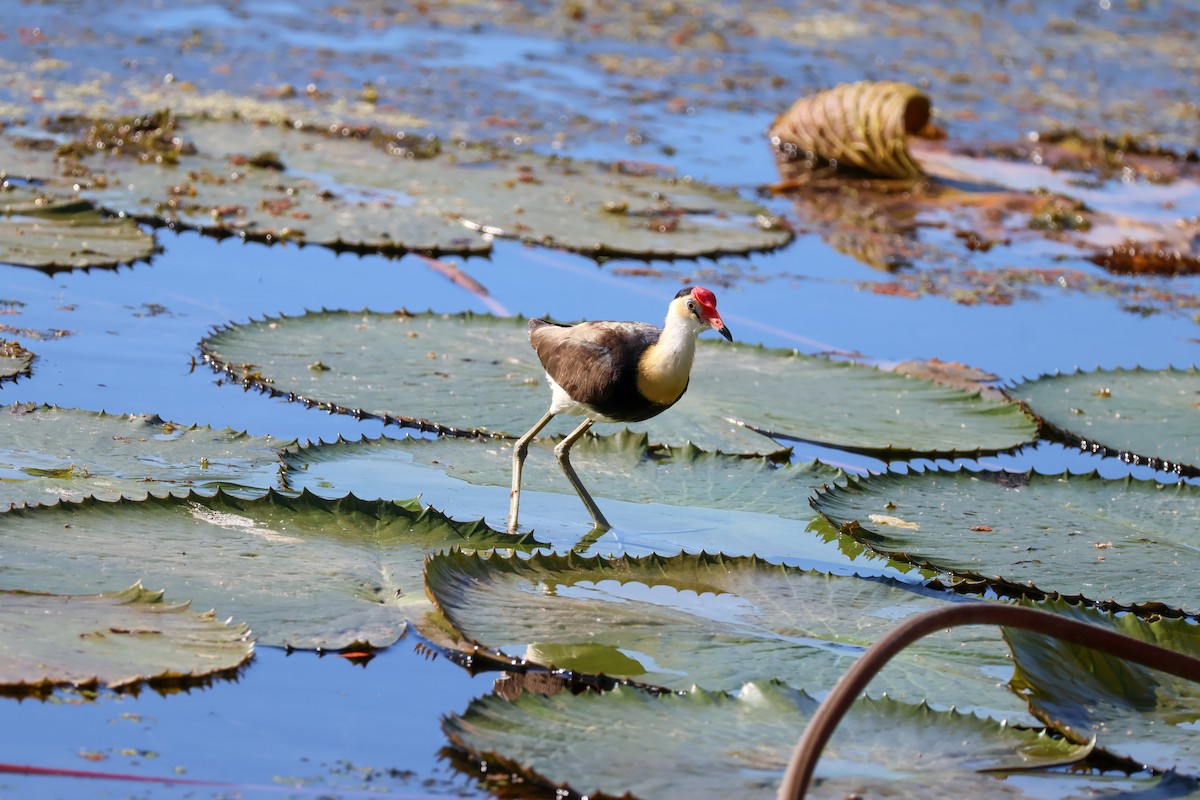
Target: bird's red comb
<point>705,297</point>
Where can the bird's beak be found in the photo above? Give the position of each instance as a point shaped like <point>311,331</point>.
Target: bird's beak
<point>720,327</point>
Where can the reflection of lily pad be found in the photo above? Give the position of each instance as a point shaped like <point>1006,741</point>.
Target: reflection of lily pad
<point>303,572</point>
<point>377,192</point>
<point>621,467</point>
<point>1121,543</point>
<point>15,360</point>
<point>425,370</point>
<point>54,234</point>
<point>713,745</point>
<point>1147,416</point>
<point>1140,713</point>
<point>48,454</point>
<point>715,622</point>
<point>115,639</point>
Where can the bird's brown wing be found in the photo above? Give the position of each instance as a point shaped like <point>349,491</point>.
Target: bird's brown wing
<point>591,361</point>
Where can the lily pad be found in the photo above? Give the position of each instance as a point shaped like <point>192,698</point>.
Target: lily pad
<point>373,191</point>
<point>623,466</point>
<point>117,639</point>
<point>1122,544</point>
<point>59,233</point>
<point>302,571</point>
<point>1142,416</point>
<point>15,360</point>
<point>1139,713</point>
<point>426,371</point>
<point>49,454</point>
<point>713,745</point>
<point>715,622</point>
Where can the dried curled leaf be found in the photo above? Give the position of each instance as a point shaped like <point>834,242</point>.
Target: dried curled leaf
<point>863,125</point>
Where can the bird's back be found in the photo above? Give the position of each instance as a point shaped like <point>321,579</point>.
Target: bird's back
<point>596,364</point>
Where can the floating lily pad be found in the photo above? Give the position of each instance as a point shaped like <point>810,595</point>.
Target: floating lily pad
<point>371,191</point>
<point>1143,416</point>
<point>57,233</point>
<point>622,466</point>
<point>1136,712</point>
<point>116,639</point>
<point>715,622</point>
<point>302,571</point>
<point>1119,543</point>
<point>15,360</point>
<point>49,454</point>
<point>426,371</point>
<point>713,745</point>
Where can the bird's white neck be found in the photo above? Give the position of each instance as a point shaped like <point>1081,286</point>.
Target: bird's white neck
<point>665,366</point>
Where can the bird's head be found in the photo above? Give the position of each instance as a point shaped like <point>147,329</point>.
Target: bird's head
<point>699,306</point>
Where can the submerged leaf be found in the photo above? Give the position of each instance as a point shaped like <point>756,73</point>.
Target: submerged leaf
<point>1143,416</point>
<point>49,454</point>
<point>1121,543</point>
<point>116,639</point>
<point>713,745</point>
<point>424,370</point>
<point>622,466</point>
<point>302,571</point>
<point>1136,712</point>
<point>716,622</point>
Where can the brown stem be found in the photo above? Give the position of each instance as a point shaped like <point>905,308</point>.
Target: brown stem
<point>823,723</point>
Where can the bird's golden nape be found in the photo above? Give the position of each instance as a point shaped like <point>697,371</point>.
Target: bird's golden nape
<point>613,372</point>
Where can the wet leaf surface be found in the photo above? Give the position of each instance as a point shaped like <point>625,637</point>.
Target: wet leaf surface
<point>301,571</point>
<point>716,622</point>
<point>1141,416</point>
<point>1122,543</point>
<point>715,745</point>
<point>50,454</point>
<point>117,639</point>
<point>425,370</point>
<point>1135,712</point>
<point>398,193</point>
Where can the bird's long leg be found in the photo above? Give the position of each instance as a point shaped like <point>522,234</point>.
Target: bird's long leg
<point>562,453</point>
<point>520,449</point>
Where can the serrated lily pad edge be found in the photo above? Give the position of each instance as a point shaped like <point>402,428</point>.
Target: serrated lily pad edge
<point>164,683</point>
<point>23,355</point>
<point>971,582</point>
<point>1086,445</point>
<point>477,656</point>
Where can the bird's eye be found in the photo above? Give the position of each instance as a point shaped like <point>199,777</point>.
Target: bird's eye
<point>691,306</point>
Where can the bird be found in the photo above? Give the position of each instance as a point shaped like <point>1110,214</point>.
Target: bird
<point>613,372</point>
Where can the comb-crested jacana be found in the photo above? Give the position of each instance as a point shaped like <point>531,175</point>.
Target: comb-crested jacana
<point>614,372</point>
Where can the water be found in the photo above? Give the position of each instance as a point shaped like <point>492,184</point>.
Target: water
<point>303,725</point>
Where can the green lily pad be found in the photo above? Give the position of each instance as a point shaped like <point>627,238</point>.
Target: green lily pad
<point>15,360</point>
<point>425,371</point>
<point>1141,416</point>
<point>117,639</point>
<point>1123,544</point>
<point>712,745</point>
<point>58,233</point>
<point>1139,713</point>
<point>622,466</point>
<point>715,622</point>
<point>302,571</point>
<point>49,454</point>
<point>372,191</point>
